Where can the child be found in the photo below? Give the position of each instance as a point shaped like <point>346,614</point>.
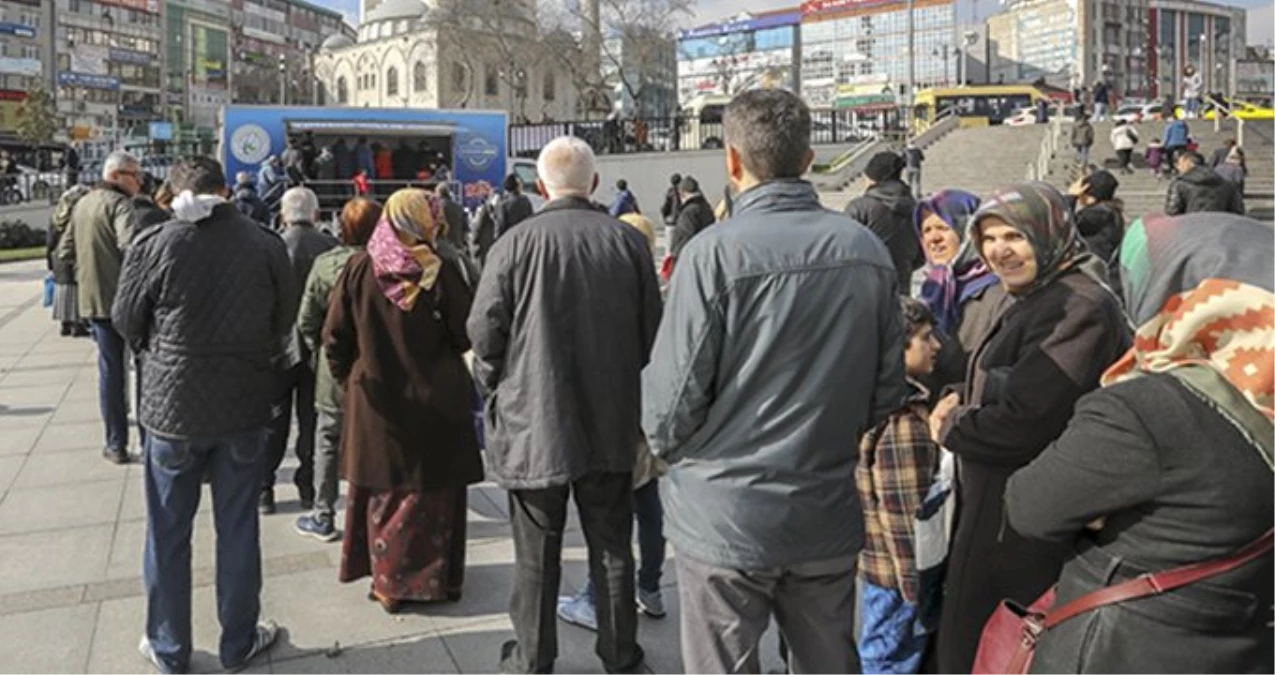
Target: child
<point>1155,157</point>
<point>897,461</point>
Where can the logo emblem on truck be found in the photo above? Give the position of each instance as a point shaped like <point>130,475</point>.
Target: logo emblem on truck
<point>478,153</point>
<point>250,144</point>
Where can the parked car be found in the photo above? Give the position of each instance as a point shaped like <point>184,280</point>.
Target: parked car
<point>1129,112</point>
<point>1021,117</point>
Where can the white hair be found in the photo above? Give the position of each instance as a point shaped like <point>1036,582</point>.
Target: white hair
<point>119,160</point>
<point>566,167</point>
<point>243,177</point>
<point>299,205</point>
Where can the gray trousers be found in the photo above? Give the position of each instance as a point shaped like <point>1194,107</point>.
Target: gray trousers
<point>726,611</point>
<point>327,461</point>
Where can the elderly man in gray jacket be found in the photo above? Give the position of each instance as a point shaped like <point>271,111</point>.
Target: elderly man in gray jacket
<point>781,344</point>
<point>561,326</point>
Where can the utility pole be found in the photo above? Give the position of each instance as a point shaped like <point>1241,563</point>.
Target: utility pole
<point>283,80</point>
<point>907,100</point>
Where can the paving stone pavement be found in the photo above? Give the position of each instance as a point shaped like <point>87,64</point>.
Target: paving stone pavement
<point>72,528</point>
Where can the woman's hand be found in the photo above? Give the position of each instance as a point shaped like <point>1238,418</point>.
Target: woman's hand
<point>938,417</point>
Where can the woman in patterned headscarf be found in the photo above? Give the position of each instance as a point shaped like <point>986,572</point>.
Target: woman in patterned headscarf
<point>1170,462</point>
<point>959,288</point>
<point>1059,332</point>
<point>394,335</point>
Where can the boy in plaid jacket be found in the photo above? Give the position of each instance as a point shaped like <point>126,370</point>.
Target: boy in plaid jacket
<point>897,461</point>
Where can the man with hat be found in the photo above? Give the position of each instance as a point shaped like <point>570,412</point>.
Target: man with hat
<point>695,215</point>
<point>1099,215</point>
<point>886,208</point>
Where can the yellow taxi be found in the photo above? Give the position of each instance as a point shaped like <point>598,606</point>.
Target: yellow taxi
<point>1246,111</point>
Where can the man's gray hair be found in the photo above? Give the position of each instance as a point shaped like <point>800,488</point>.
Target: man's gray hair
<point>120,160</point>
<point>299,205</point>
<point>567,167</point>
<point>244,177</point>
<point>770,129</point>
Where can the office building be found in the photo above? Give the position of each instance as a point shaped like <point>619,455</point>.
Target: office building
<point>1206,36</point>
<point>273,46</point>
<point>26,56</point>
<point>743,52</point>
<point>198,72</point>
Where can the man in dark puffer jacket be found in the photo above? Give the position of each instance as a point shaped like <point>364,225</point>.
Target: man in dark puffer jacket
<point>207,299</point>
<point>886,209</point>
<point>1198,188</point>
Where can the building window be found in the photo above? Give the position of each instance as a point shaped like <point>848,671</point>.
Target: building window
<point>550,86</point>
<point>491,81</point>
<point>342,91</point>
<point>391,81</point>
<point>458,77</point>
<point>420,78</point>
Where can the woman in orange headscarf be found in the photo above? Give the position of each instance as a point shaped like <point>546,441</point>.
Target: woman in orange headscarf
<point>394,335</point>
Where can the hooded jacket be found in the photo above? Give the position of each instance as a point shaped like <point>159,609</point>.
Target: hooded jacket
<point>886,209</point>
<point>1201,189</point>
<point>781,344</point>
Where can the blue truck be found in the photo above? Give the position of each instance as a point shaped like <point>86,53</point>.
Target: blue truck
<point>472,144</point>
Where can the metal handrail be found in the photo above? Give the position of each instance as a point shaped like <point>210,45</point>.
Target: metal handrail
<point>1039,170</point>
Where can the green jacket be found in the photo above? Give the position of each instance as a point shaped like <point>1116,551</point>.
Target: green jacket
<point>100,230</point>
<point>328,395</point>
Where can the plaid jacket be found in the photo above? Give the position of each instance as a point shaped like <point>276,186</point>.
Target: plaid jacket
<point>897,461</point>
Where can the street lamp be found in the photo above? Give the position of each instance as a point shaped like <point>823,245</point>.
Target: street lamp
<point>943,49</point>
<point>283,80</point>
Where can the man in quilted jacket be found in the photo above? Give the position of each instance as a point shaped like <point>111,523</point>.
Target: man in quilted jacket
<point>207,300</point>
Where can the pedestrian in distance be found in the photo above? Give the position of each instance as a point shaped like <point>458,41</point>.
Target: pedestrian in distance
<point>1124,138</point>
<point>1199,188</point>
<point>99,232</point>
<point>511,208</point>
<point>913,158</point>
<point>760,502</point>
<point>897,463</point>
<point>294,366</point>
<point>672,201</point>
<point>625,201</point>
<point>1042,353</point>
<point>66,294</point>
<point>1154,157</point>
<point>358,218</point>
<point>1177,136</point>
<point>1234,169</point>
<point>696,214</point>
<point>1101,99</point>
<point>395,338</point>
<point>886,209</point>
<point>1082,139</point>
<point>563,400</point>
<point>1221,153</point>
<point>248,201</point>
<point>457,231</point>
<point>206,349</point>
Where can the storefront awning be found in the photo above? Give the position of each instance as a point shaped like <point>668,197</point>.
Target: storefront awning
<point>369,127</point>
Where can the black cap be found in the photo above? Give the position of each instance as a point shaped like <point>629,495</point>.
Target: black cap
<point>1101,185</point>
<point>884,166</point>
<point>688,185</point>
<point>675,179</point>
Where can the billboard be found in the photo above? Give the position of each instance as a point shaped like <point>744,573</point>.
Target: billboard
<point>742,24</point>
<point>88,80</point>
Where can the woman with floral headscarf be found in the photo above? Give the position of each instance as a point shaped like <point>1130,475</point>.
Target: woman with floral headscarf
<point>959,288</point>
<point>394,336</point>
<point>1169,464</point>
<point>1058,333</point>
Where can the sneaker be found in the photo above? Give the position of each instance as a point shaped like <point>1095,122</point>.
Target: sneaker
<point>266,505</point>
<point>115,455</point>
<point>578,610</point>
<point>148,653</point>
<point>267,633</point>
<point>318,528</point>
<point>651,603</point>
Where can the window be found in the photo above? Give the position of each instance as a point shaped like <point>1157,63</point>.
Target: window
<point>420,78</point>
<point>550,86</point>
<point>491,80</point>
<point>458,77</point>
<point>391,81</point>
<point>342,91</point>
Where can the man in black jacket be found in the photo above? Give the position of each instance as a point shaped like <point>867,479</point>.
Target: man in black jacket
<point>696,214</point>
<point>248,201</point>
<point>551,435</point>
<point>513,207</point>
<point>672,201</point>
<point>886,208</point>
<point>206,350</point>
<point>1199,188</point>
<point>454,214</point>
<point>294,386</point>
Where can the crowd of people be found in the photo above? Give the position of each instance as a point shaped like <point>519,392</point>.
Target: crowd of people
<point>1086,396</point>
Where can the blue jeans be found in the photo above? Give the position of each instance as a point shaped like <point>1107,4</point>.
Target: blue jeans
<point>111,387</point>
<point>174,469</point>
<point>891,640</point>
<point>649,513</point>
<point>1082,154</point>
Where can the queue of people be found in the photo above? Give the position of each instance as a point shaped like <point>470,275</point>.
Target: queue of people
<point>1101,388</point>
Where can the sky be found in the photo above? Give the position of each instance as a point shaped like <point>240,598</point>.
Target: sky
<point>1261,16</point>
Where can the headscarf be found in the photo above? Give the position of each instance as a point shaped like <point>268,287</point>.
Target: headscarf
<point>401,247</point>
<point>947,287</point>
<point>1199,288</point>
<point>1039,211</point>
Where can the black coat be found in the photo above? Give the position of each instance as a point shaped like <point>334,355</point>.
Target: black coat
<point>343,157</point>
<point>250,204</point>
<point>1201,189</point>
<point>695,215</point>
<point>457,228</point>
<point>1102,227</point>
<point>886,209</point>
<point>147,214</point>
<point>671,206</point>
<point>513,208</point>
<point>1177,484</point>
<point>1042,353</point>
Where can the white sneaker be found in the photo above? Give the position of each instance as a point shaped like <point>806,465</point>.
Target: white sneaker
<point>267,633</point>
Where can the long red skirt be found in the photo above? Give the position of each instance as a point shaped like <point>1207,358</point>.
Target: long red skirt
<point>412,544</point>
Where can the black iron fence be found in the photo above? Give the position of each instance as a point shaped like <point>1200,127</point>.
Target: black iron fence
<point>684,132</point>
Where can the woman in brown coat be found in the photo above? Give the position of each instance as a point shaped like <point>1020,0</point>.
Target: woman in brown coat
<point>394,334</point>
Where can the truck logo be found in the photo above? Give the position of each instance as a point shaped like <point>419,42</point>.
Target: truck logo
<point>250,144</point>
<point>478,153</point>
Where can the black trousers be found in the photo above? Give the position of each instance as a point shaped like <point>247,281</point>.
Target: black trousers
<point>294,389</point>
<point>605,505</point>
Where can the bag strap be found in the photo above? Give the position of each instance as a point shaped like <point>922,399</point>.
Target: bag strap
<point>1160,582</point>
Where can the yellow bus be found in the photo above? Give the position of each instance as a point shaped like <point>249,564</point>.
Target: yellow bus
<point>976,106</point>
